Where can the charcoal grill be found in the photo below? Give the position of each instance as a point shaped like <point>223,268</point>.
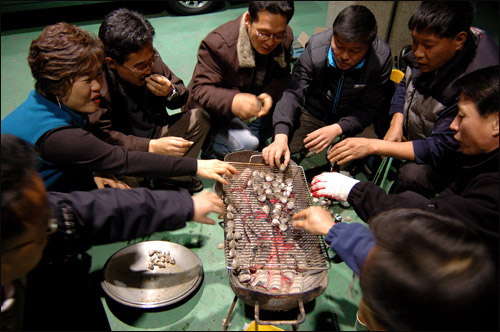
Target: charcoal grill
<point>270,266</point>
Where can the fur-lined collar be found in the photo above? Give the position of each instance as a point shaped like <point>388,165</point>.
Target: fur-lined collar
<point>245,51</point>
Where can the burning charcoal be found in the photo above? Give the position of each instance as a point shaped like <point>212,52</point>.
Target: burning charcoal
<point>262,175</point>
<point>244,278</point>
<point>283,227</point>
<point>255,173</point>
<point>250,183</point>
<point>260,191</point>
<point>266,209</point>
<point>297,284</point>
<point>268,191</point>
<point>266,185</point>
<point>284,220</point>
<point>261,280</point>
<point>288,277</point>
<point>275,222</point>
<point>286,193</point>
<point>289,188</point>
<point>275,184</point>
<point>291,203</point>
<point>278,206</point>
<point>261,198</point>
<point>270,196</point>
<point>255,186</point>
<point>276,282</point>
<point>289,182</point>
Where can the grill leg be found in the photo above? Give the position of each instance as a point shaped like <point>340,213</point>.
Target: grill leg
<point>226,322</point>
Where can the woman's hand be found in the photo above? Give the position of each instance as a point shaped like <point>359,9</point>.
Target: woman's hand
<point>109,180</point>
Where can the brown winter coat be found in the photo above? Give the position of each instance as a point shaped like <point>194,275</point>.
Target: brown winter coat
<point>226,66</point>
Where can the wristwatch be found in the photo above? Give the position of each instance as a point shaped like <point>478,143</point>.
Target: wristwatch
<point>172,94</point>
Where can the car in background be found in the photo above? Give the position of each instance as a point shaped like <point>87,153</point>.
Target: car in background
<point>177,7</point>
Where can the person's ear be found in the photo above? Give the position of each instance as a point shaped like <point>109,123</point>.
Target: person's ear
<point>247,19</point>
<point>494,124</point>
<point>459,40</point>
<point>110,62</point>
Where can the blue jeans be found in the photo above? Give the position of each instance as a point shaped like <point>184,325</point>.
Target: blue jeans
<point>234,135</point>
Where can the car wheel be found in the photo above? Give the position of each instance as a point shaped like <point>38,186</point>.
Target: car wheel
<point>191,7</point>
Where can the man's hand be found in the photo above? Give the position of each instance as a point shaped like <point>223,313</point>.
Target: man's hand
<point>395,131</point>
<point>266,104</point>
<point>332,185</point>
<point>103,180</point>
<point>246,105</point>
<point>170,146</point>
<point>314,219</point>
<point>205,203</point>
<point>273,152</point>
<point>321,138</point>
<point>159,85</point>
<point>214,169</point>
<point>350,149</point>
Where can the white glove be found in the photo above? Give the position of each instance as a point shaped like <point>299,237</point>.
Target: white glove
<point>332,185</point>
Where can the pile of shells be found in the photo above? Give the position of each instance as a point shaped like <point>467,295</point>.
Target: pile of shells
<point>160,259</point>
<point>275,187</point>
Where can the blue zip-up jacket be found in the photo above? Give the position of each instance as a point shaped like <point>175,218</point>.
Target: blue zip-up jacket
<point>352,242</point>
<point>350,98</point>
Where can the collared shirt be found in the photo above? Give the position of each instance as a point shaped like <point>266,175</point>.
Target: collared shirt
<point>331,60</point>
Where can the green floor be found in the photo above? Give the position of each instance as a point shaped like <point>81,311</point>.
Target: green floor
<point>177,39</point>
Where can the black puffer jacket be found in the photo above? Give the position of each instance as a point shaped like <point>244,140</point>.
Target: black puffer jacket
<point>316,86</point>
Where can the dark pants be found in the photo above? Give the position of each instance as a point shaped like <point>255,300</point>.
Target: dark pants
<point>422,179</point>
<point>192,125</point>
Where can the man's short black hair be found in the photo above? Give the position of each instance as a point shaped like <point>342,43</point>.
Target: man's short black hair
<point>18,166</point>
<point>355,24</point>
<point>285,8</point>
<point>124,31</point>
<point>429,272</point>
<point>482,87</point>
<point>446,19</point>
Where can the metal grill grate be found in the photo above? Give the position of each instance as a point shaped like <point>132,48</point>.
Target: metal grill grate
<point>251,240</point>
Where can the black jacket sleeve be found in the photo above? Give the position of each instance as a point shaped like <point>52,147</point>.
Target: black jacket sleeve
<point>109,215</point>
<point>76,147</point>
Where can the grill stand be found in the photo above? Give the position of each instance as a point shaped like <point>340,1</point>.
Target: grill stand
<point>295,323</point>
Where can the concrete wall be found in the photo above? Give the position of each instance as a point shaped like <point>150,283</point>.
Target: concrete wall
<point>398,36</point>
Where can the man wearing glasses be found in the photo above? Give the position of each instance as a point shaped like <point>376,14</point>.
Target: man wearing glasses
<point>336,87</point>
<point>136,92</point>
<point>239,76</point>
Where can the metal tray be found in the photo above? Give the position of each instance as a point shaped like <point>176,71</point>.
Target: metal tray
<point>128,280</point>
